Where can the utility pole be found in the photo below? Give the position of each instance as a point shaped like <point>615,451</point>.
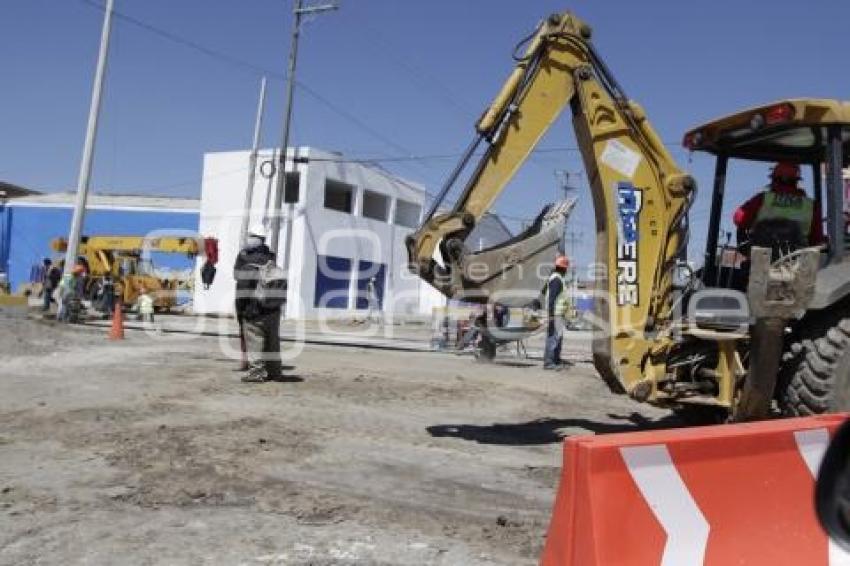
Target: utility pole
<point>252,164</point>
<point>574,238</point>
<point>298,11</point>
<point>84,180</point>
<point>562,176</point>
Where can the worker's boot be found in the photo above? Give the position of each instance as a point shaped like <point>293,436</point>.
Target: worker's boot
<point>255,375</point>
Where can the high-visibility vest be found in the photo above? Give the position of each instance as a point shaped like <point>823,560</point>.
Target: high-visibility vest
<point>788,206</point>
<point>562,301</point>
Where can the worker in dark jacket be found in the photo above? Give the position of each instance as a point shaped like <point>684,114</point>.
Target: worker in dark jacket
<point>261,326</point>
<point>49,283</point>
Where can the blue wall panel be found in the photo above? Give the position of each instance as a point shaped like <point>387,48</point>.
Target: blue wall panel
<point>368,270</point>
<point>32,228</point>
<point>5,233</point>
<point>333,276</point>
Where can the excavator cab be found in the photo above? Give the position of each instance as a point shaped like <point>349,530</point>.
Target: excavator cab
<point>798,294</point>
<point>810,132</point>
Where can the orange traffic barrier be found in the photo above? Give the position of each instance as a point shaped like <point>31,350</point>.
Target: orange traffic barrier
<point>738,494</point>
<point>117,330</point>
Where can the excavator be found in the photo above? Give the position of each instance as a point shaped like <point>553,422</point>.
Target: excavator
<point>727,340</point>
<point>126,260</point>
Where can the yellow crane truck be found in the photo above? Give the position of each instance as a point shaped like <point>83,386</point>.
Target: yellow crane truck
<point>667,331</point>
<point>126,260</point>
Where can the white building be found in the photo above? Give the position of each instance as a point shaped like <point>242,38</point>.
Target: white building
<point>343,223</point>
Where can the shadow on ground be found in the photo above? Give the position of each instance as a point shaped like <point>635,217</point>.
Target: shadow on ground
<point>547,431</point>
<point>287,378</point>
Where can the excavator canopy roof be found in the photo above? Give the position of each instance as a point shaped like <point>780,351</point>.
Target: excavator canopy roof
<point>788,130</point>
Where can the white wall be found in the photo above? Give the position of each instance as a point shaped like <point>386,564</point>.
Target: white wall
<point>223,186</point>
<point>315,231</point>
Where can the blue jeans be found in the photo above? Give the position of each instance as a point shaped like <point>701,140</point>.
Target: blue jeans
<point>554,339</point>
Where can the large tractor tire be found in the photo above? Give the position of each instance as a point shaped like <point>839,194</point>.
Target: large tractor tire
<point>817,370</point>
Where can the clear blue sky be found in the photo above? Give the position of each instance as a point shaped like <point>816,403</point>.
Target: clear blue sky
<point>383,78</point>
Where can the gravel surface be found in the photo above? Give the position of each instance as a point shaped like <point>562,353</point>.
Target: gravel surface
<point>150,451</point>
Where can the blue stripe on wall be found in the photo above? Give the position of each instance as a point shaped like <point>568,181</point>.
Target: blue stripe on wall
<point>5,233</point>
<point>333,275</point>
<point>31,229</point>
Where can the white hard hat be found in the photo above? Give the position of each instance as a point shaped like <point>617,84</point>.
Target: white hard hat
<point>257,232</point>
<point>254,239</point>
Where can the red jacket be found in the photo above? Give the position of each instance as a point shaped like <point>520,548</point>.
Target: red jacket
<point>746,214</point>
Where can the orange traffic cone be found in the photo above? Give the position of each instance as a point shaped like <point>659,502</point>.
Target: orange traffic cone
<point>117,330</point>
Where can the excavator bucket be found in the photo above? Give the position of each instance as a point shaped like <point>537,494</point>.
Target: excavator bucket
<point>514,272</point>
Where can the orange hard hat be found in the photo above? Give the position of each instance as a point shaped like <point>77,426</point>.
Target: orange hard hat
<point>785,170</point>
<point>78,269</point>
<point>562,262</point>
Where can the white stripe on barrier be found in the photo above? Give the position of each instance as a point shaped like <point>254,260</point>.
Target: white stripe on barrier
<point>655,474</point>
<point>812,446</point>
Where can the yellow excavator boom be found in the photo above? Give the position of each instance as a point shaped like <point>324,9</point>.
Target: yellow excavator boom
<point>640,195</point>
<point>165,244</point>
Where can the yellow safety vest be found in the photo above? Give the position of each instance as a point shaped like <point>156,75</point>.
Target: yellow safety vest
<point>788,206</point>
<point>562,301</point>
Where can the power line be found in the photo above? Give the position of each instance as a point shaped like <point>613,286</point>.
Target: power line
<point>255,69</point>
<point>208,51</point>
<point>359,123</point>
<point>439,156</point>
<point>260,71</point>
<point>406,157</point>
<point>416,72</point>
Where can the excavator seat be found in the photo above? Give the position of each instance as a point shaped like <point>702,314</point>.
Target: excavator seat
<point>721,310</point>
<point>781,235</point>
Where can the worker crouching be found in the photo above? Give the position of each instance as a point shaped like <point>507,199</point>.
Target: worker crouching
<point>260,295</point>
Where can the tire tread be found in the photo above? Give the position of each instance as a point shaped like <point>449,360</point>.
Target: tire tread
<point>809,389</point>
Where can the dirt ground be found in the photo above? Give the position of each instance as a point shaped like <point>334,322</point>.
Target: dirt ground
<point>150,451</point>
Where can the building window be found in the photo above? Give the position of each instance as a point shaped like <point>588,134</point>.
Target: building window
<point>376,206</point>
<point>407,213</point>
<point>333,275</point>
<point>371,298</point>
<point>292,187</point>
<point>339,196</point>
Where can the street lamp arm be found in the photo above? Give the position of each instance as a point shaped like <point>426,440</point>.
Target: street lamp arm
<point>317,9</point>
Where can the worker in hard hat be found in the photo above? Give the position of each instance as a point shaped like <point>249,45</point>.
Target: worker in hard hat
<point>782,200</point>
<point>260,322</point>
<point>557,306</point>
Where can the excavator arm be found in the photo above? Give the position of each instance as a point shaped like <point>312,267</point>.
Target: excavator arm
<point>165,244</point>
<point>640,199</point>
